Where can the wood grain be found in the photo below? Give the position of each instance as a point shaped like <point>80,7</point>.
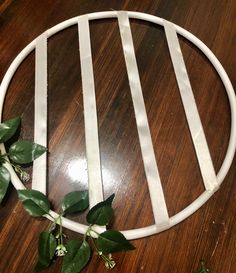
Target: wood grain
<point>209,234</point>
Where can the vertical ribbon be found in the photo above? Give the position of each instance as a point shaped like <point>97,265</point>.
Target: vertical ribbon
<point>153,179</point>
<point>190,108</point>
<point>90,113</point>
<point>40,113</point>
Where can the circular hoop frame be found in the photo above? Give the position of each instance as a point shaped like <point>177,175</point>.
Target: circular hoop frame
<point>196,204</point>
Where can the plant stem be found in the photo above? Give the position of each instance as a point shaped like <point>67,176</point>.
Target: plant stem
<point>60,230</point>
<point>91,238</point>
<point>109,263</point>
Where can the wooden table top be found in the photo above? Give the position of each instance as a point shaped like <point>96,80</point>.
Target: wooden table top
<point>209,234</point>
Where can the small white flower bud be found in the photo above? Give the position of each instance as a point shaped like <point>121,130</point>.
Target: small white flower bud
<point>61,250</point>
<point>25,177</point>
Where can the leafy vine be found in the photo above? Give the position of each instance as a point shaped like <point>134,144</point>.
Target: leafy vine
<point>76,253</point>
<point>53,242</point>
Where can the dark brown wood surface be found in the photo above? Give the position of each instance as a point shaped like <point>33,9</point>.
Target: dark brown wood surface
<point>210,233</point>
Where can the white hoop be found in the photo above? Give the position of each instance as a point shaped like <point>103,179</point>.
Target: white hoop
<point>195,205</point>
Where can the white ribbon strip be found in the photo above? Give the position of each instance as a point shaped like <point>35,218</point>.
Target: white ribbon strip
<point>90,113</point>
<point>40,113</point>
<point>190,108</point>
<point>154,183</point>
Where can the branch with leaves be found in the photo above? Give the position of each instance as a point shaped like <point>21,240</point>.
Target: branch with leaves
<point>53,242</point>
<point>76,253</point>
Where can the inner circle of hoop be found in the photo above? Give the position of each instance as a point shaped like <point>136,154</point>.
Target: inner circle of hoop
<point>196,204</point>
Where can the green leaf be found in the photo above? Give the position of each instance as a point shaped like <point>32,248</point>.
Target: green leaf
<point>4,182</point>
<point>113,241</point>
<point>110,199</point>
<point>8,129</point>
<point>34,202</point>
<point>78,254</point>
<point>101,214</point>
<point>76,201</point>
<point>24,151</point>
<point>46,249</point>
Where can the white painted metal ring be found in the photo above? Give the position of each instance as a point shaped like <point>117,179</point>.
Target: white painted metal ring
<point>195,205</point>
